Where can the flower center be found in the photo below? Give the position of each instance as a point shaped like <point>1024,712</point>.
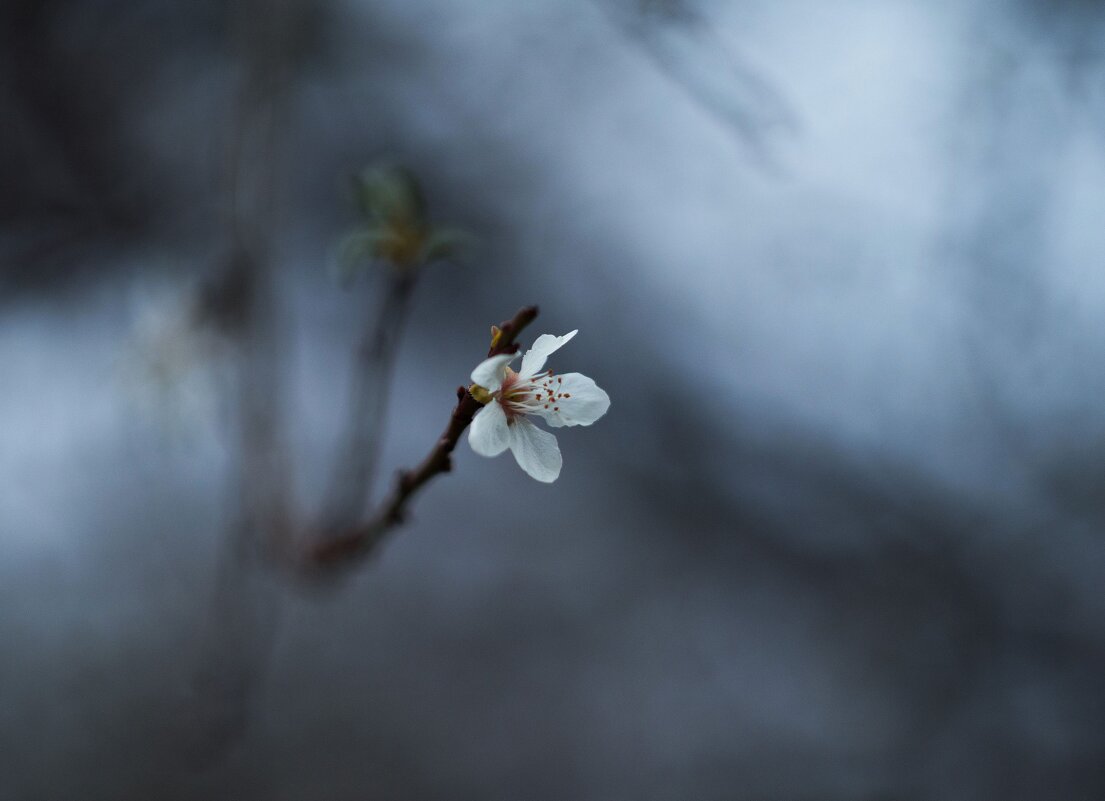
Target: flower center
<point>540,393</point>
<point>514,395</point>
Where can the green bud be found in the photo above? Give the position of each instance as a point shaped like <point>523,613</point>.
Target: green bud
<point>391,195</point>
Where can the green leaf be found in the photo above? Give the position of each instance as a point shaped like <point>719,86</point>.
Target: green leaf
<point>391,194</point>
<point>447,244</point>
<point>357,250</point>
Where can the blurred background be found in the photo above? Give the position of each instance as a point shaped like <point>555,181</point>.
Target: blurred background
<point>838,265</point>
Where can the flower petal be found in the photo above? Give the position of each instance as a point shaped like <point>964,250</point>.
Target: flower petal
<point>578,401</point>
<point>489,434</point>
<point>490,372</point>
<point>535,450</point>
<point>544,345</point>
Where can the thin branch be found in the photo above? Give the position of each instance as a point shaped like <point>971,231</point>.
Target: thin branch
<point>355,463</point>
<point>362,540</point>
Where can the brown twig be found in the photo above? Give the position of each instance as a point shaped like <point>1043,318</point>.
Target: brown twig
<point>363,539</point>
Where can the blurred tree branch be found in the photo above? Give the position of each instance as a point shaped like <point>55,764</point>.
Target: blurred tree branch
<point>241,303</point>
<point>687,48</point>
<point>359,445</point>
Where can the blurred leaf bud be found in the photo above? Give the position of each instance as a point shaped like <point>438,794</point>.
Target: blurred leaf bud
<point>396,229</point>
<point>391,195</point>
<point>446,244</point>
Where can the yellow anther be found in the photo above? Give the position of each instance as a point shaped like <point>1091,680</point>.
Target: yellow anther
<point>480,394</point>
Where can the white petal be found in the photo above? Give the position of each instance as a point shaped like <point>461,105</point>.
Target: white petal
<point>489,435</point>
<point>544,345</point>
<point>577,401</point>
<point>535,450</point>
<point>490,372</point>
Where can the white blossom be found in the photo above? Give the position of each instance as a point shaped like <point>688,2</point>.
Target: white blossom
<point>569,399</point>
